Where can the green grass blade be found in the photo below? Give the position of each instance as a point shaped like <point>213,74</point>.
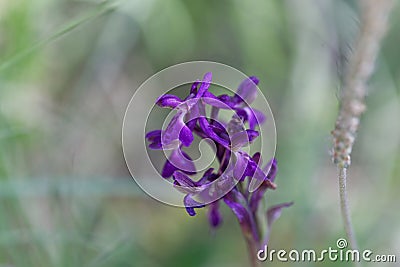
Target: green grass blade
<point>100,10</point>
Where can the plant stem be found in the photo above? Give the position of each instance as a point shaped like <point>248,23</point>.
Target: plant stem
<point>252,237</point>
<point>374,22</point>
<point>344,205</point>
<point>252,249</point>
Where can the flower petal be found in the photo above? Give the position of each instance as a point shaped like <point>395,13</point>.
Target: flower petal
<point>170,101</point>
<point>191,204</point>
<point>183,179</point>
<point>214,215</point>
<point>193,88</point>
<point>272,169</point>
<point>204,84</point>
<point>177,131</point>
<point>208,130</point>
<point>168,169</point>
<point>257,158</point>
<point>247,90</point>
<point>239,140</point>
<point>273,214</point>
<point>254,117</point>
<point>184,184</point>
<point>233,199</point>
<point>154,137</point>
<point>207,177</point>
<point>261,179</point>
<point>156,146</point>
<point>242,139</point>
<point>268,183</point>
<point>237,203</point>
<point>186,136</point>
<point>196,110</point>
<point>178,160</point>
<point>153,134</point>
<point>218,102</point>
<point>241,165</point>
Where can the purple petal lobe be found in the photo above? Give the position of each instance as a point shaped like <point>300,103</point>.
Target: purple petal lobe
<point>257,158</point>
<point>156,146</point>
<point>214,216</point>
<point>168,169</point>
<point>190,211</point>
<point>208,130</point>
<point>177,131</point>
<point>207,177</point>
<point>260,179</point>
<point>237,203</point>
<point>193,89</point>
<point>240,167</point>
<point>247,90</point>
<point>264,177</point>
<point>170,101</point>
<point>186,136</point>
<point>242,139</point>
<point>272,169</point>
<point>259,186</point>
<point>214,101</point>
<point>258,194</point>
<point>191,204</point>
<point>275,212</point>
<point>184,184</point>
<point>204,84</point>
<point>238,209</point>
<point>259,115</point>
<point>239,140</point>
<point>183,179</point>
<point>154,137</point>
<point>178,160</point>
<point>254,117</point>
<point>252,134</point>
<point>153,134</point>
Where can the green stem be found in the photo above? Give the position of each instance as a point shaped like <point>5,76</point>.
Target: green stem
<point>252,236</point>
<point>100,10</point>
<point>252,248</point>
<point>344,205</point>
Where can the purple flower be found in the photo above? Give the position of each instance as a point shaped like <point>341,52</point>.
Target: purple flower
<point>214,216</point>
<point>238,173</point>
<point>154,137</point>
<point>178,160</point>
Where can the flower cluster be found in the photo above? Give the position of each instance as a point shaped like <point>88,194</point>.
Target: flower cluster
<point>237,169</point>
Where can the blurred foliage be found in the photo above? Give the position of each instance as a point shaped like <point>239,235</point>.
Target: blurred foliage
<point>67,71</point>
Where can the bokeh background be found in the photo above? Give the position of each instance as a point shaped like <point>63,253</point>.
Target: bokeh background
<point>68,70</point>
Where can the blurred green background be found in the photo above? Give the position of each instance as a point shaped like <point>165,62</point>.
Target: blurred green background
<point>67,72</point>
